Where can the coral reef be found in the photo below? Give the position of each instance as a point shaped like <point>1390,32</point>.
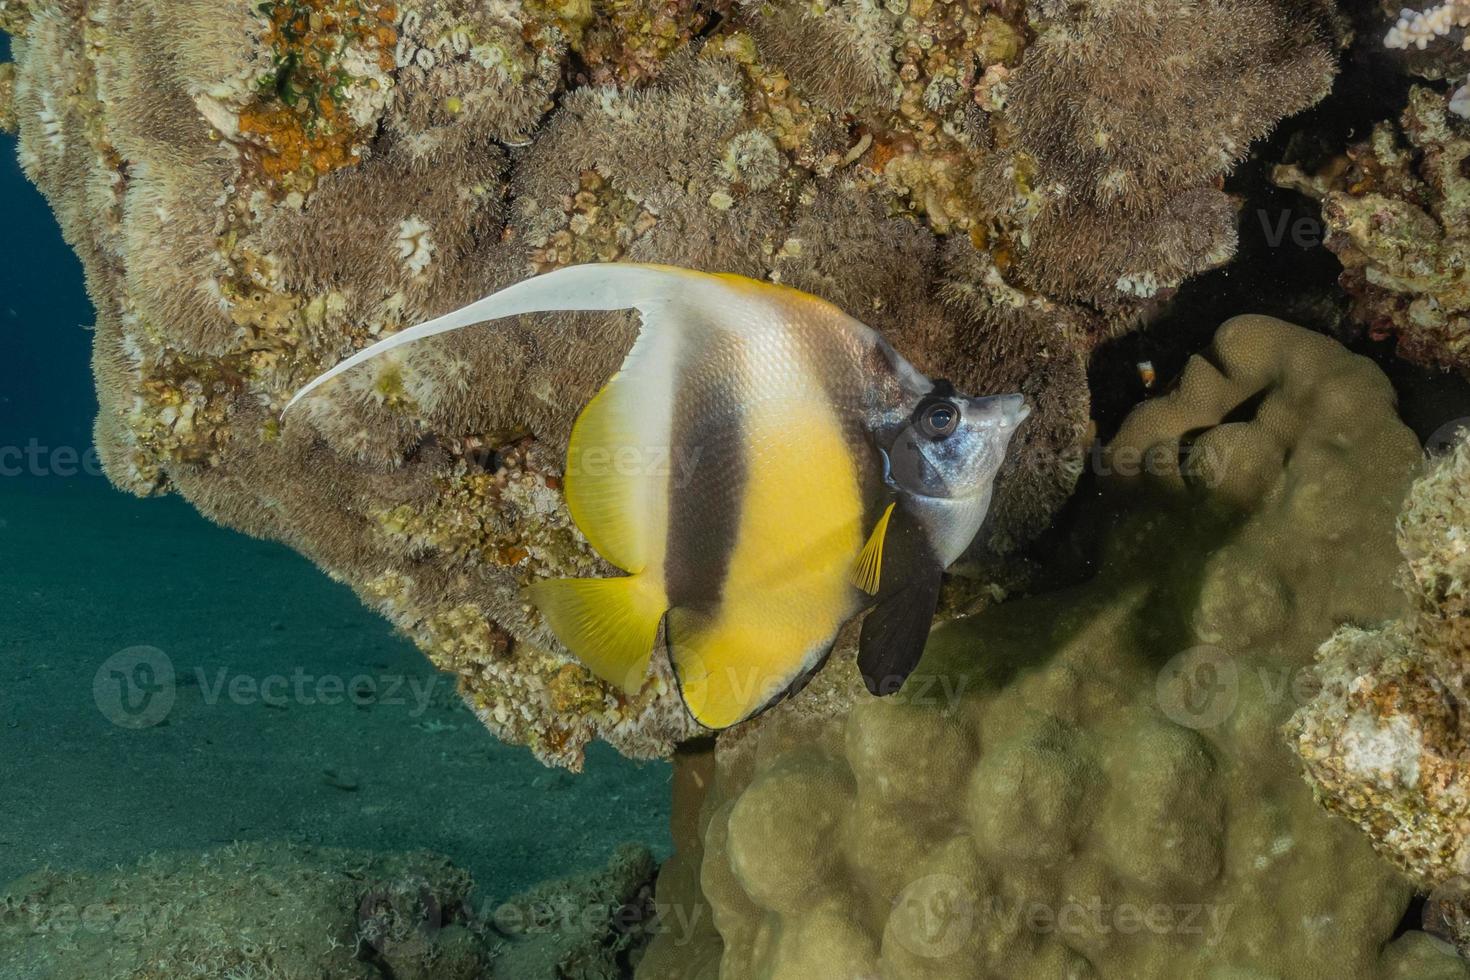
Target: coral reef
<point>1396,212</point>
<point>256,190</point>
<point>1092,782</point>
<point>280,912</point>
<point>1384,742</point>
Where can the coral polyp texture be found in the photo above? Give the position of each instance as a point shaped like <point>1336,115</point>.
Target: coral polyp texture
<point>257,189</point>
<point>1384,742</point>
<point>1398,216</point>
<point>1092,782</point>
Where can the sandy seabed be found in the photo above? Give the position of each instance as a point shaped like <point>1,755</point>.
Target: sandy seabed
<point>294,713</point>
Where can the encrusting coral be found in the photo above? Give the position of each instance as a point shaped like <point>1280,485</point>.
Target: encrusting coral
<point>7,97</point>
<point>1398,215</point>
<point>1385,743</point>
<point>1092,783</point>
<point>257,189</point>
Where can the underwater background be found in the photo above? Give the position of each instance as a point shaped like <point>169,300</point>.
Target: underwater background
<point>338,732</point>
<point>210,728</point>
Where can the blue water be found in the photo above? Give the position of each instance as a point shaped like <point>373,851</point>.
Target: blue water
<point>90,572</point>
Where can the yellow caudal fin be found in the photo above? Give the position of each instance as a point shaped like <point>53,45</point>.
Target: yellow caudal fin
<point>869,566</point>
<point>609,623</point>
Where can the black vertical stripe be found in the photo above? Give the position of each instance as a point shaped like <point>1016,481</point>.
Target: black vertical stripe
<point>855,374</point>
<point>707,473</point>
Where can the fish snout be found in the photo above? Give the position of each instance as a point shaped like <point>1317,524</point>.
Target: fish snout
<point>1009,410</point>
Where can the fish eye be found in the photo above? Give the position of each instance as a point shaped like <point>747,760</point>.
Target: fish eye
<point>940,419</point>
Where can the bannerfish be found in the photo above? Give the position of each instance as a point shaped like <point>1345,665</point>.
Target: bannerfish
<point>764,467</point>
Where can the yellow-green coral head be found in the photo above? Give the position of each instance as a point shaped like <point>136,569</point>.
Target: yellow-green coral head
<point>764,467</point>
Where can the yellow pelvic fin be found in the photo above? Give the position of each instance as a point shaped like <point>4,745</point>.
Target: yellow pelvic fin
<point>869,566</point>
<point>608,623</point>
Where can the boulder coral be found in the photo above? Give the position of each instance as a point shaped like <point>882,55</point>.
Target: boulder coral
<point>256,189</point>
<point>1397,211</point>
<point>1385,743</point>
<point>1091,782</point>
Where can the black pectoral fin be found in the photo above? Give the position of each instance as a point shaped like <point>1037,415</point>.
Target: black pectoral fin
<point>895,632</point>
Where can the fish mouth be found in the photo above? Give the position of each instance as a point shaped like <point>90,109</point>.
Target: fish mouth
<point>1012,408</point>
<point>1015,408</point>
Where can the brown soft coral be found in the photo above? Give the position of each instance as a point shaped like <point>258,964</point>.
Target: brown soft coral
<point>1128,115</point>
<point>1078,147</point>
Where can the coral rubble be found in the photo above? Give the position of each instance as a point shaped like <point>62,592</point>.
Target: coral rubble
<point>247,910</point>
<point>265,911</point>
<point>257,189</point>
<point>592,926</point>
<point>1385,742</point>
<point>1396,211</point>
<point>1091,783</point>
